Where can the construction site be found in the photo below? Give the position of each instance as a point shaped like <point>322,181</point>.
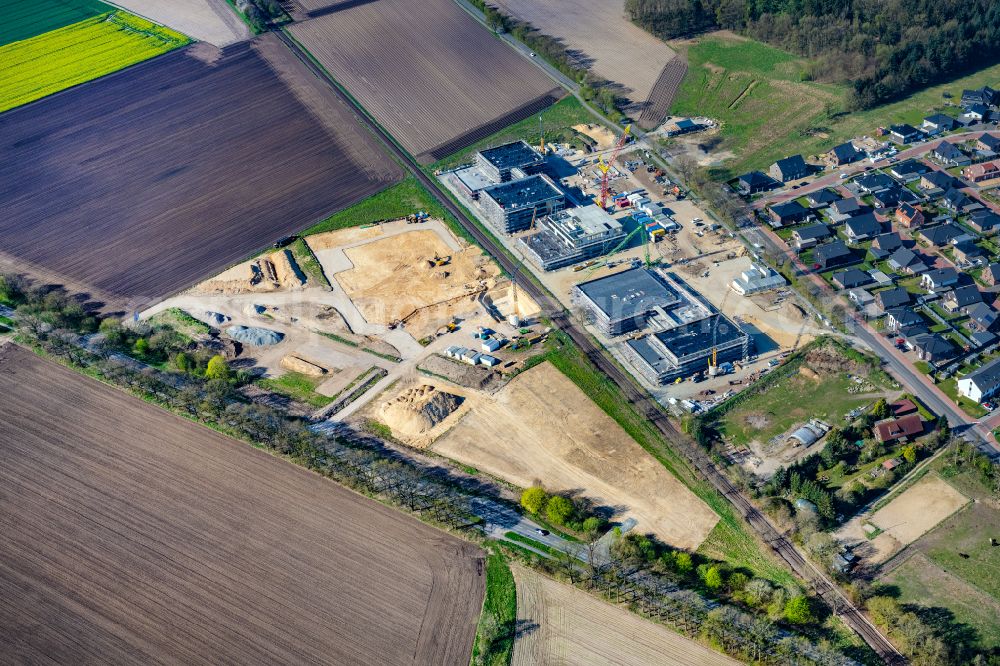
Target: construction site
<point>685,305</point>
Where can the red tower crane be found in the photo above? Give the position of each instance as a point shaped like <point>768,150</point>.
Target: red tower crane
<point>605,167</point>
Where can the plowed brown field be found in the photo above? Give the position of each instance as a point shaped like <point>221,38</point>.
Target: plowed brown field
<point>431,75</point>
<point>130,535</point>
<point>141,183</point>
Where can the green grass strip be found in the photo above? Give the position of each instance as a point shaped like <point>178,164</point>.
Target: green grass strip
<point>495,635</point>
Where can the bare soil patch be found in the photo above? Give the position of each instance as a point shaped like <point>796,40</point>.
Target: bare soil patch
<point>276,271</point>
<point>564,625</point>
<point>141,183</point>
<point>397,279</point>
<point>436,79</point>
<point>914,513</point>
<point>133,535</point>
<point>211,21</point>
<point>542,428</point>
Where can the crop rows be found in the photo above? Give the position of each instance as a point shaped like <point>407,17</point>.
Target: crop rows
<point>68,56</point>
<point>26,18</point>
<point>428,77</point>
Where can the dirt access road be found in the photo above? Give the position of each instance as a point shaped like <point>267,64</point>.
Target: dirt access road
<point>133,535</point>
<point>563,625</point>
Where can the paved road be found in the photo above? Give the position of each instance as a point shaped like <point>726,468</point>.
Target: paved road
<point>642,401</point>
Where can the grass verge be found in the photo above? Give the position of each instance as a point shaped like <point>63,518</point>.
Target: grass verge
<point>494,642</point>
<point>298,387</point>
<point>308,262</point>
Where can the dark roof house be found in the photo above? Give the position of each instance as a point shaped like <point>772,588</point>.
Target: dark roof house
<point>821,198</point>
<point>962,297</point>
<point>984,221</point>
<point>832,254</point>
<point>809,236</point>
<point>789,168</point>
<point>862,227</point>
<point>904,133</point>
<point>939,279</point>
<point>845,153</point>
<point>950,154</point>
<point>790,212</point>
<point>906,260</point>
<point>892,298</point>
<point>754,182</point>
<point>851,278</point>
<point>889,242</point>
<point>941,234</point>
<point>932,348</point>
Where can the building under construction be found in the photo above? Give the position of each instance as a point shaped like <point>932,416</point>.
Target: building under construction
<point>509,162</point>
<point>571,236</point>
<point>510,207</point>
<point>677,334</point>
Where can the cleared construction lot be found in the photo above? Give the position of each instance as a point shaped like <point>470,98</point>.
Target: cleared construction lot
<point>542,428</point>
<point>572,628</point>
<point>141,183</point>
<point>435,78</point>
<point>602,38</point>
<point>132,535</point>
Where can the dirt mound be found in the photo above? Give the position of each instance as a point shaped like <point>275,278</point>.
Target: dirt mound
<point>253,336</point>
<point>809,373</point>
<point>758,421</point>
<point>417,410</point>
<point>298,364</point>
<point>273,272</point>
<point>794,312</point>
<point>826,359</point>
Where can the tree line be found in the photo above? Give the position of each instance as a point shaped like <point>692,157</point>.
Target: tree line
<point>883,49</point>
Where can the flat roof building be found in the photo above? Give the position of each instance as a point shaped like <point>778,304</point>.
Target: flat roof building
<point>498,162</point>
<point>623,302</point>
<point>756,279</point>
<point>571,236</point>
<point>687,349</point>
<point>510,207</point>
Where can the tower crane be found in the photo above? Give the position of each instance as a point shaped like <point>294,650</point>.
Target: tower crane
<point>713,366</point>
<point>605,167</point>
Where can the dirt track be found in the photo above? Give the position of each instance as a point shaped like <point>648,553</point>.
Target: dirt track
<point>144,181</point>
<point>541,427</point>
<point>429,76</point>
<point>132,535</point>
<point>563,625</point>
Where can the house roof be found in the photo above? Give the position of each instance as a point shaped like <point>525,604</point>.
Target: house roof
<point>891,196</point>
<point>852,277</point>
<point>982,338</point>
<point>994,271</point>
<point>832,250</point>
<point>863,225</point>
<point>813,232</point>
<point>987,377</point>
<point>965,296</point>
<point>902,407</point>
<point>789,209</point>
<point>791,164</point>
<point>904,426</point>
<point>845,152</point>
<point>905,258</point>
<point>912,332</point>
<point>888,242</point>
<point>875,181</point>
<point>979,170</point>
<point>983,315</point>
<point>940,119</point>
<point>933,345</point>
<point>957,198</point>
<point>845,206</point>
<point>757,179</point>
<point>941,234</point>
<point>948,151</point>
<point>824,196</point>
<point>908,167</point>
<point>939,179</point>
<point>969,249</point>
<point>905,317</point>
<point>893,298</point>
<point>942,276</point>
<point>985,219</point>
<point>902,129</point>
<point>990,141</point>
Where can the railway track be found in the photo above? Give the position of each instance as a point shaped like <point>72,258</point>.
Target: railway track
<point>638,397</point>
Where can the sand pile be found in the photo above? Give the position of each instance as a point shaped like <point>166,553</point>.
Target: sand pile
<point>302,366</point>
<point>417,410</point>
<point>256,337</point>
<point>272,272</point>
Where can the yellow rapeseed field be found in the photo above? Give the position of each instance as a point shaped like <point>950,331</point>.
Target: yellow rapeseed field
<point>56,60</point>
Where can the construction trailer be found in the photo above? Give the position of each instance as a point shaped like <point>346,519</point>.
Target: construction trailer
<point>571,236</point>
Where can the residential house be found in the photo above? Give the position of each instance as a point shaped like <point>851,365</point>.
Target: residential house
<point>875,182</point>
<point>755,182</point>
<point>989,142</point>
<point>832,254</point>
<point>881,279</point>
<point>982,318</point>
<point>889,242</point>
<point>850,278</point>
<point>806,237</point>
<point>908,170</point>
<point>981,384</point>
<point>789,168</point>
<point>862,228</point>
<point>843,154</point>
<point>863,299</point>
<point>906,261</point>
<point>959,202</point>
<point>911,333</point>
<point>982,338</point>
<point>938,123</point>
<point>909,216</point>
<point>976,113</point>
<point>942,234</point>
<point>932,348</point>
<point>961,298</point>
<point>991,274</point>
<point>843,209</point>
<point>891,196</point>
<point>902,428</point>
<point>967,253</point>
<point>939,279</point>
<point>904,133</point>
<point>950,154</point>
<point>902,407</point>
<point>900,318</point>
<point>890,299</point>
<point>821,198</point>
<point>784,214</point>
<point>934,181</point>
<point>984,96</point>
<point>978,173</point>
<point>984,221</point>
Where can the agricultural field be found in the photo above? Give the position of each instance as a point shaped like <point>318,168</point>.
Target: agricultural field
<point>434,93</point>
<point>212,21</point>
<point>178,168</point>
<point>26,18</point>
<point>564,625</point>
<point>69,56</point>
<point>604,41</point>
<point>541,428</point>
<point>768,111</point>
<point>183,545</point>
